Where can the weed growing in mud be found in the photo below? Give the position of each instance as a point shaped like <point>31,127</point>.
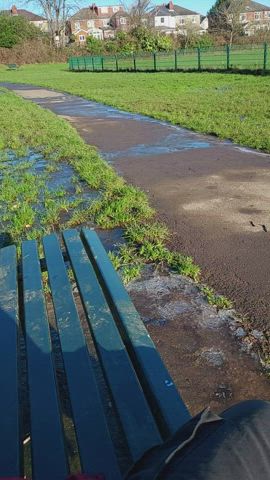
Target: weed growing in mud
<point>218,301</point>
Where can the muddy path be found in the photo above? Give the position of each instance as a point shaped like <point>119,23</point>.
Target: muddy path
<point>213,195</point>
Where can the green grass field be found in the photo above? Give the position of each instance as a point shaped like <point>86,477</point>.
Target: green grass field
<point>231,106</point>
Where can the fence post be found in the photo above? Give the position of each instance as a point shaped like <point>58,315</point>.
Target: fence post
<point>265,52</point>
<point>78,63</point>
<point>155,61</point>
<point>102,64</point>
<point>175,59</point>
<point>93,64</point>
<point>134,63</point>
<point>84,59</point>
<point>199,58</point>
<point>116,63</point>
<point>228,50</point>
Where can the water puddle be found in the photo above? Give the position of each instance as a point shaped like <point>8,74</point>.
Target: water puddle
<point>171,144</point>
<point>40,195</point>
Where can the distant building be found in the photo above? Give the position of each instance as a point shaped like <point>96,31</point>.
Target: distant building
<point>175,19</point>
<point>255,17</point>
<point>33,18</point>
<point>100,22</point>
<point>204,24</point>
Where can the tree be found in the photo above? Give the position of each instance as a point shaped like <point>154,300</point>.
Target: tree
<point>224,18</point>
<point>188,34</point>
<point>139,13</point>
<point>14,29</point>
<point>56,13</point>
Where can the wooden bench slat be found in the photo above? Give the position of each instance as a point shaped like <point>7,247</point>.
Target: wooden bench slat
<point>157,383</point>
<point>47,441</point>
<point>95,446</point>
<point>10,442</point>
<point>134,412</point>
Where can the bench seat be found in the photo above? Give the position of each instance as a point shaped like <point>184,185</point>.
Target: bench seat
<point>87,303</point>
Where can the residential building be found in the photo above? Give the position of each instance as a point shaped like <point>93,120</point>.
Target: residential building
<point>173,19</point>
<point>33,18</point>
<point>255,16</point>
<point>204,24</point>
<point>100,22</point>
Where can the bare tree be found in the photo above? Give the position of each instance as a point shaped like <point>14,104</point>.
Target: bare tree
<point>225,18</point>
<point>188,33</point>
<point>56,13</point>
<point>139,13</point>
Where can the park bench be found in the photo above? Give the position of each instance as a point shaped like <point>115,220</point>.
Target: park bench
<point>142,394</point>
<point>13,66</point>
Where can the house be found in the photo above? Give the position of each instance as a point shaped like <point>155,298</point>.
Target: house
<point>204,24</point>
<point>120,21</point>
<point>33,18</point>
<point>255,16</point>
<point>175,19</point>
<point>100,22</point>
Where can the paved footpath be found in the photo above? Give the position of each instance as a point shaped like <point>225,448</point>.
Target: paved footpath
<point>213,195</point>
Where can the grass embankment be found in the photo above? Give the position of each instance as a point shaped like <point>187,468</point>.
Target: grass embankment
<point>29,209</point>
<point>230,106</point>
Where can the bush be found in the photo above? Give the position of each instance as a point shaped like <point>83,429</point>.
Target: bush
<point>13,30</point>
<point>94,45</point>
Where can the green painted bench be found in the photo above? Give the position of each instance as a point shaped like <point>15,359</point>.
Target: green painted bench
<point>13,66</point>
<point>141,392</point>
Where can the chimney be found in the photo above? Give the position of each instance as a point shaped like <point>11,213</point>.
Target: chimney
<point>94,8</point>
<point>14,10</point>
<point>171,6</point>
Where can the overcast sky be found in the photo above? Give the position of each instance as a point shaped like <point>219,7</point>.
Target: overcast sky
<point>201,6</point>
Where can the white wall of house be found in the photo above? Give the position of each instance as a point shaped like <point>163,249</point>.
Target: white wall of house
<point>166,21</point>
<point>188,20</point>
<point>204,25</point>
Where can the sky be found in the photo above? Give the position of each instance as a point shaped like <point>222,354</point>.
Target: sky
<point>200,6</point>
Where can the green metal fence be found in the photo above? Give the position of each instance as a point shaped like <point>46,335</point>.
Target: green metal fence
<point>244,57</point>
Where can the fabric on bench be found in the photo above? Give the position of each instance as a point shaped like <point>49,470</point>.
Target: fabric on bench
<point>234,445</point>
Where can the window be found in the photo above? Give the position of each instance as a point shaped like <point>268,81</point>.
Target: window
<point>257,16</point>
<point>243,17</point>
<point>105,22</point>
<point>193,19</point>
<point>182,21</point>
<point>123,20</point>
<point>115,9</point>
<point>162,20</point>
<point>90,23</point>
<point>104,9</point>
<point>77,25</point>
<point>82,38</point>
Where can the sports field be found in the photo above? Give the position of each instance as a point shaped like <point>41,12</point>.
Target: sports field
<point>236,57</point>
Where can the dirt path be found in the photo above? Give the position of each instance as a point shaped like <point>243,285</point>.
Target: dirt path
<point>215,199</point>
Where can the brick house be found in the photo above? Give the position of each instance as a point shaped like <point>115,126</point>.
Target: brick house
<point>174,19</point>
<point>33,18</point>
<point>100,22</point>
<point>255,16</point>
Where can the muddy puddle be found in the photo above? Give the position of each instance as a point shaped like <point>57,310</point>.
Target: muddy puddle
<point>172,143</point>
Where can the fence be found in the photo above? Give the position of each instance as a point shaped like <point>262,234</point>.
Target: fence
<point>244,57</point>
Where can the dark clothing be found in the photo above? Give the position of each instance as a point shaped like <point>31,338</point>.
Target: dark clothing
<point>232,446</point>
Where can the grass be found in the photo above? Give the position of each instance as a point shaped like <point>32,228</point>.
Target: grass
<point>29,208</point>
<point>231,106</point>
